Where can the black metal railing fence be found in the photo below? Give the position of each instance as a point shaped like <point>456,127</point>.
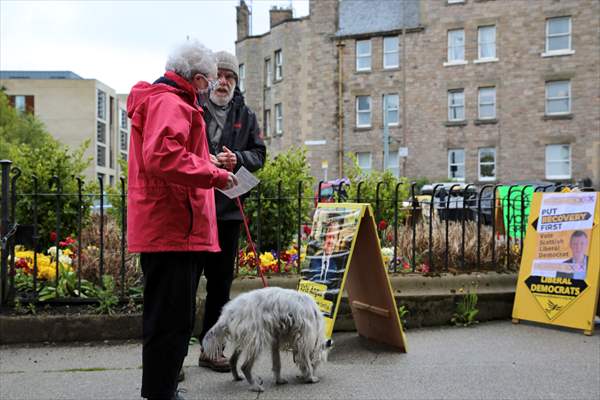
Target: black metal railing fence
<point>453,229</point>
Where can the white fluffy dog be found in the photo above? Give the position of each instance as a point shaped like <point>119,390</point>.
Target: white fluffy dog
<point>272,318</point>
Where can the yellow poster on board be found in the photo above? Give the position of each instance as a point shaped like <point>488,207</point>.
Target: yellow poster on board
<point>560,268</point>
<point>343,253</point>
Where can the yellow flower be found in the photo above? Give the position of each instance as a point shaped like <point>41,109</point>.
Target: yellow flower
<point>267,259</point>
<point>46,267</point>
<point>27,255</point>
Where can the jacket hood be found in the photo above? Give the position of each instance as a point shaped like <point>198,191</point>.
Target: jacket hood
<point>171,82</point>
<point>238,97</point>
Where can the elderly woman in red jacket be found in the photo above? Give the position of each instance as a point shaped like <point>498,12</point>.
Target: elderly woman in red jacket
<point>171,207</point>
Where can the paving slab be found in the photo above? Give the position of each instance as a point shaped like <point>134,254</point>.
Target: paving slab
<point>495,360</point>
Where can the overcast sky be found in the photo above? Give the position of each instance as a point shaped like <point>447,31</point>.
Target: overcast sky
<point>118,42</point>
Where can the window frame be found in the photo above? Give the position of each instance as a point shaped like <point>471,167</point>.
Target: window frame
<point>457,164</point>
<point>449,52</point>
<point>450,106</point>
<point>395,169</point>
<point>20,108</point>
<point>268,72</point>
<point>370,158</point>
<point>480,163</point>
<point>267,123</point>
<point>123,140</point>
<point>123,119</point>
<point>568,160</point>
<point>479,103</point>
<point>547,99</point>
<point>104,135</point>
<point>278,119</point>
<point>368,55</point>
<point>98,147</point>
<point>479,43</point>
<point>242,77</point>
<point>568,50</point>
<point>101,105</point>
<point>396,51</point>
<point>278,55</point>
<point>369,111</point>
<point>386,111</point>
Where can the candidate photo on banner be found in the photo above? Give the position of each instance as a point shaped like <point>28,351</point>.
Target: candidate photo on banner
<point>579,244</point>
<point>564,229</point>
<point>326,254</point>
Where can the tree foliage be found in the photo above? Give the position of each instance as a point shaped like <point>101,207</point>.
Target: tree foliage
<point>289,168</point>
<point>368,190</point>
<point>115,196</point>
<point>19,128</point>
<point>25,141</point>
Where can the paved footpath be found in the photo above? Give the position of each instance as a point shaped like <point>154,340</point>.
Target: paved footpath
<point>495,360</point>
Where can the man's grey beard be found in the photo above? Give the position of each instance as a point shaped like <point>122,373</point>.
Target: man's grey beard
<point>220,100</point>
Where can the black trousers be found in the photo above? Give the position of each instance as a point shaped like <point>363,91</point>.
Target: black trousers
<point>218,270</point>
<point>170,284</point>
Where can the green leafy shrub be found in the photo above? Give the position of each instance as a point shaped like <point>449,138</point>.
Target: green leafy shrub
<point>368,192</point>
<point>68,286</point>
<point>466,310</point>
<point>402,313</point>
<point>107,299</point>
<point>289,167</point>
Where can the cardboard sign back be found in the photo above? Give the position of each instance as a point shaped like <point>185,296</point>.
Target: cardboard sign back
<point>370,293</point>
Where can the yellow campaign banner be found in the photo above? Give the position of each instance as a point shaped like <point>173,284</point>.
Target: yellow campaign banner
<point>343,252</point>
<point>329,245</point>
<point>560,268</point>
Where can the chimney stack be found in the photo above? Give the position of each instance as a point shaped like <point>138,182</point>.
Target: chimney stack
<point>243,21</point>
<point>279,15</point>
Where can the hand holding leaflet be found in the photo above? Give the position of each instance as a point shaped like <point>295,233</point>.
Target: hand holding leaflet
<point>246,181</point>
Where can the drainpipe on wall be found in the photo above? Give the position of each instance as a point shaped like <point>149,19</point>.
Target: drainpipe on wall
<point>404,67</point>
<point>340,47</point>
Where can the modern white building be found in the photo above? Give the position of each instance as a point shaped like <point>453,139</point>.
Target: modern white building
<point>74,110</point>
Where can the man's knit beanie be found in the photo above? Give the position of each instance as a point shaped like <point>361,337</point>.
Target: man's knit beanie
<point>227,61</point>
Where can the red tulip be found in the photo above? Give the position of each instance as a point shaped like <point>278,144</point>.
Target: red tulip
<point>307,230</point>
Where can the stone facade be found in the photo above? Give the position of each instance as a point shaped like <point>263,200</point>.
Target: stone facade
<point>310,89</point>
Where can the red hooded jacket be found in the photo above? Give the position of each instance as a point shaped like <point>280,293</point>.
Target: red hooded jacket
<point>170,200</point>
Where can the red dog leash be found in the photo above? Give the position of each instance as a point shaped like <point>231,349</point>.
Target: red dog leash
<point>249,238</point>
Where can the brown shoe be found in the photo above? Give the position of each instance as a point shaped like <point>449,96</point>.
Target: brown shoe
<point>219,364</point>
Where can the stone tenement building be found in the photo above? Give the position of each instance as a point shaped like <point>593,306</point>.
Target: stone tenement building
<point>473,90</point>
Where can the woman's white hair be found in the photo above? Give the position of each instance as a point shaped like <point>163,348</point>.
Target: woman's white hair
<point>190,58</point>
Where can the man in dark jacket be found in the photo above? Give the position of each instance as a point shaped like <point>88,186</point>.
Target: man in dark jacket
<point>234,140</point>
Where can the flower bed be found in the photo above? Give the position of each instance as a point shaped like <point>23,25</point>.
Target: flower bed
<point>267,262</point>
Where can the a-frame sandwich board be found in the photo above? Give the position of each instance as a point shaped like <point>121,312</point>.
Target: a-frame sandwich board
<point>552,288</point>
<point>360,270</point>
